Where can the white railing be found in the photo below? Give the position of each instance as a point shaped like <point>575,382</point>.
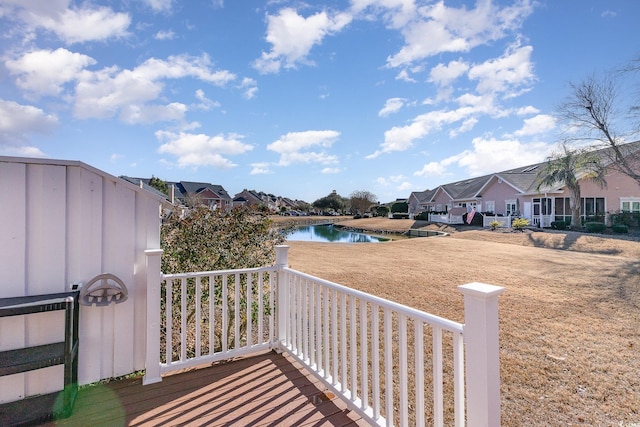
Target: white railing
<point>446,218</point>
<point>392,364</point>
<point>505,221</point>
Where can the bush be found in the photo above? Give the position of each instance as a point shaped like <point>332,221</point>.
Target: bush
<point>382,211</point>
<point>494,225</point>
<point>595,227</point>
<point>422,216</point>
<point>620,228</point>
<point>400,207</point>
<point>357,216</point>
<point>400,215</point>
<point>519,223</point>
<point>559,225</point>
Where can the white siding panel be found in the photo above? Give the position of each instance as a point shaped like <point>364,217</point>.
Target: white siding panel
<point>12,265</point>
<point>84,261</point>
<point>46,238</point>
<point>119,258</point>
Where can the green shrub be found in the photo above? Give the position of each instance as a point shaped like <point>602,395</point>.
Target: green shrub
<point>494,225</point>
<point>559,225</point>
<point>357,216</point>
<point>382,211</point>
<point>620,228</point>
<point>400,215</point>
<point>423,216</point>
<point>519,223</point>
<point>400,207</point>
<point>595,227</point>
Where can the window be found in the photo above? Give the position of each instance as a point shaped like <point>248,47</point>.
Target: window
<point>510,207</point>
<point>630,205</point>
<point>562,209</point>
<point>592,208</point>
<point>490,206</point>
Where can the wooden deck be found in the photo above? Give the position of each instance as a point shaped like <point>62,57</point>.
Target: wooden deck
<point>264,390</point>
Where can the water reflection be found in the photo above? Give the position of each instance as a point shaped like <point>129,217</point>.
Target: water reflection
<point>329,233</point>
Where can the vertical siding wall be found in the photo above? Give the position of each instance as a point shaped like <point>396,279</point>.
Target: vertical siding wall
<point>65,222</point>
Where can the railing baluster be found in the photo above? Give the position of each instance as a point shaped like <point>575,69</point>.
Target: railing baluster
<point>364,357</point>
<point>326,343</point>
<point>343,342</point>
<point>260,337</point>
<point>388,365</point>
<point>248,309</point>
<point>312,323</point>
<point>304,320</point>
<point>418,327</point>
<point>334,335</point>
<point>458,378</point>
<point>375,359</point>
<point>318,329</point>
<point>169,321</point>
<point>353,345</point>
<point>212,315</point>
<point>225,312</point>
<point>236,311</point>
<point>183,319</point>
<point>198,315</point>
<point>438,390</point>
<point>402,350</point>
<point>272,308</point>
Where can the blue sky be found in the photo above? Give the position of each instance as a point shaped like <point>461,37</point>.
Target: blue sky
<point>300,98</point>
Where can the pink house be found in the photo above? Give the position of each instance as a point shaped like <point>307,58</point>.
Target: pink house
<point>515,192</point>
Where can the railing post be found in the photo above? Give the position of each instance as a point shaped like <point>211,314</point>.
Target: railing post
<point>482,353</point>
<point>152,357</point>
<point>282,293</point>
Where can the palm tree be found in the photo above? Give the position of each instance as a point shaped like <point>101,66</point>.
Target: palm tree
<point>569,168</point>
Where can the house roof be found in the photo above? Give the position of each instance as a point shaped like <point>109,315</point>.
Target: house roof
<point>523,179</point>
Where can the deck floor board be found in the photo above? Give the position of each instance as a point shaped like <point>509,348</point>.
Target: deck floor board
<point>268,389</point>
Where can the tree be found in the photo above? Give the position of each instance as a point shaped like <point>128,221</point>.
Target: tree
<point>595,111</point>
<point>568,168</point>
<point>206,240</point>
<point>159,184</point>
<point>332,201</point>
<point>362,200</point>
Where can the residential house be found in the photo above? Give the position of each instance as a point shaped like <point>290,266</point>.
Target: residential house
<point>185,192</point>
<point>515,192</point>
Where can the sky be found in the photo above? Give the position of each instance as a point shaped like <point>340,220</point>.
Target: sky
<point>296,98</point>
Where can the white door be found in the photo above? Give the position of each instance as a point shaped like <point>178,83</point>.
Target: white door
<point>527,210</point>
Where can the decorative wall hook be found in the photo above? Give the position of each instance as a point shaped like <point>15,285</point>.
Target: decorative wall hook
<point>103,290</point>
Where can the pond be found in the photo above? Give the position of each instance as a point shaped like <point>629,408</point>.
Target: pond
<point>329,233</point>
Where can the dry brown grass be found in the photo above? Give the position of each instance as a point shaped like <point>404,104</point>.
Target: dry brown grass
<point>570,316</point>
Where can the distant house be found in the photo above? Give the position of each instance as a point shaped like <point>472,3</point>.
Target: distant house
<point>188,193</point>
<point>515,192</point>
<point>259,198</point>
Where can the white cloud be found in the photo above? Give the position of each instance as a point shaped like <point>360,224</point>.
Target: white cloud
<point>165,35</point>
<point>393,105</point>
<point>292,37</point>
<point>106,92</point>
<point>70,24</point>
<point>293,147</point>
<point>537,125</point>
<point>17,121</point>
<point>159,5</point>
<point>133,114</point>
<point>260,169</point>
<point>436,28</point>
<point>250,87</point>
<point>490,155</point>
<point>44,72</point>
<point>202,150</point>
<point>512,70</point>
<point>400,138</point>
<point>328,171</point>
